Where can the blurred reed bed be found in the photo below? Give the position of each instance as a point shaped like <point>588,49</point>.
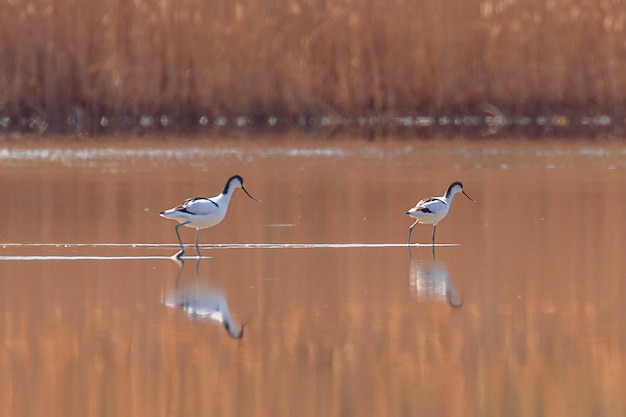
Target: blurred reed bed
<point>88,66</point>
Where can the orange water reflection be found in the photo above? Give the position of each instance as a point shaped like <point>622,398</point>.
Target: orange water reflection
<point>332,330</point>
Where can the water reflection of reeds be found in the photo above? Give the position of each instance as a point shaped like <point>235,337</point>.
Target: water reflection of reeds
<point>493,363</point>
<point>170,65</point>
<point>334,332</point>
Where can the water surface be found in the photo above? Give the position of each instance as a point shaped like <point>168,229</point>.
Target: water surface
<point>518,312</point>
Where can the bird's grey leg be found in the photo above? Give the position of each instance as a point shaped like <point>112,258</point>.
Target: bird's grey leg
<point>411,231</point>
<point>197,247</point>
<point>180,242</point>
<point>434,229</point>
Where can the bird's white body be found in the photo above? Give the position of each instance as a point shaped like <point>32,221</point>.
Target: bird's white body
<point>432,210</point>
<point>201,212</point>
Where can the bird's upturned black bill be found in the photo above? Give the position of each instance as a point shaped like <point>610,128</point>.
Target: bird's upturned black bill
<point>468,196</point>
<point>246,191</point>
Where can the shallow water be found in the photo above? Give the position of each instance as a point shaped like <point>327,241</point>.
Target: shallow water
<point>518,311</point>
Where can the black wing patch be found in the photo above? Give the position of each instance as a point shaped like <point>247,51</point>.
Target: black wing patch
<point>185,206</point>
<point>191,200</point>
<point>433,199</point>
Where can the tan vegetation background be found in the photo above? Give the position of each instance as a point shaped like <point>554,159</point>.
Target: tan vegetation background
<point>66,64</point>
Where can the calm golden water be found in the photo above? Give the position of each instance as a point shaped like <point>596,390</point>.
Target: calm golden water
<point>519,311</point>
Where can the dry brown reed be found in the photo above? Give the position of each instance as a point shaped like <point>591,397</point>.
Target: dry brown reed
<point>68,63</point>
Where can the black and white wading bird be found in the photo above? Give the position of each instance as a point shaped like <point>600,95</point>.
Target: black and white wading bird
<point>432,210</point>
<point>202,212</point>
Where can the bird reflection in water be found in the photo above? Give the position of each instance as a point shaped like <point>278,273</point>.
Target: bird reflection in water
<point>204,303</point>
<point>431,281</point>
